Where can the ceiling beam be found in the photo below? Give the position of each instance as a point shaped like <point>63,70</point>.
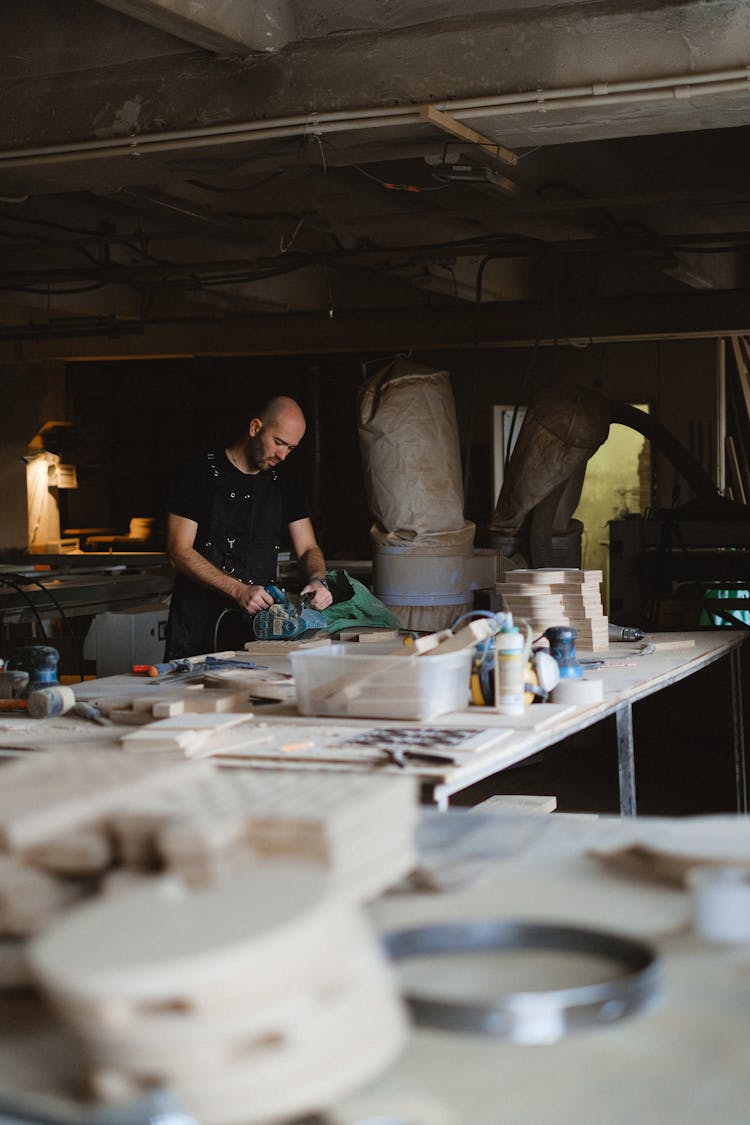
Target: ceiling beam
<point>512,55</point>
<point>224,27</point>
<point>502,324</point>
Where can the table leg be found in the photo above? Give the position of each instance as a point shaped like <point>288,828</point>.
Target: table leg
<point>738,731</point>
<point>625,758</point>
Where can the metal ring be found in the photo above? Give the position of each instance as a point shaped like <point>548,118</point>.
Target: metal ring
<point>530,1017</point>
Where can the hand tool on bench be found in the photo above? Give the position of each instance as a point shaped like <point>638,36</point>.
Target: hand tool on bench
<point>14,705</point>
<point>210,664</point>
<point>402,755</point>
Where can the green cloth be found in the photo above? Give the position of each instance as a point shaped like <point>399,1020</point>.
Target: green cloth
<point>353,604</point>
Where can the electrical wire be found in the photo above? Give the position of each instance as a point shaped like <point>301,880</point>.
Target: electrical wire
<point>204,186</point>
<point>60,292</point>
<point>7,582</point>
<point>25,580</point>
<point>415,189</point>
<point>63,617</point>
<point>513,245</point>
<point>47,223</point>
<point>219,620</point>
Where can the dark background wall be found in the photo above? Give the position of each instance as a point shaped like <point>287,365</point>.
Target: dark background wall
<point>137,420</point>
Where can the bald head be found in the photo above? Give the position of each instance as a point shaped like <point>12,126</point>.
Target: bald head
<point>282,408</point>
<point>274,433</point>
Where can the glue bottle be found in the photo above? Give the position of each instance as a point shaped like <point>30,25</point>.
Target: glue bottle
<point>510,670</point>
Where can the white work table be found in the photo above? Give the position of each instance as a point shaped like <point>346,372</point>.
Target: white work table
<point>627,678</point>
<point>681,1061</point>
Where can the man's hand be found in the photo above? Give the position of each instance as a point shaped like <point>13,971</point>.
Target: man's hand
<point>252,598</point>
<point>321,595</point>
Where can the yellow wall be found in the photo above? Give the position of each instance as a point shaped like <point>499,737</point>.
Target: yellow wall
<point>615,485</point>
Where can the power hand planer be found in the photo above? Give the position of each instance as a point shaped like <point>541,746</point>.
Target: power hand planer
<point>285,621</point>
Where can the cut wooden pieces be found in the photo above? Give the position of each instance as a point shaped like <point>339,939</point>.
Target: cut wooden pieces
<point>517,803</point>
<point>447,641</point>
<point>283,648</point>
<point>216,697</point>
<point>263,997</point>
<point>47,794</point>
<point>29,898</point>
<point>548,597</point>
<point>360,829</point>
<point>81,851</point>
<point>258,684</point>
<point>277,689</point>
<point>368,634</point>
<point>193,734</point>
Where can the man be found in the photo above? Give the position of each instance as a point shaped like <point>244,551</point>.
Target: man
<point>225,517</point>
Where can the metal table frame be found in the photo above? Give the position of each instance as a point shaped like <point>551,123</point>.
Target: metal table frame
<point>710,646</point>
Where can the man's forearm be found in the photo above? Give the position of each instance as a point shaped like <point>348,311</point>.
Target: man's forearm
<point>312,564</point>
<point>193,565</point>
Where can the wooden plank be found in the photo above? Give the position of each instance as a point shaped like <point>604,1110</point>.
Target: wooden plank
<point>367,634</point>
<point>470,634</point>
<point>735,474</point>
<point>742,373</point>
<point>465,133</point>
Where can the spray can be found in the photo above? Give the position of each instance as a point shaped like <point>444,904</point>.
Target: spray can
<point>510,670</point>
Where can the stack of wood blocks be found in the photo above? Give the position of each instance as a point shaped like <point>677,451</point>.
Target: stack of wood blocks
<point>229,692</point>
<point>547,597</point>
<point>257,998</point>
<point>360,829</point>
<point>54,839</point>
<point>75,821</point>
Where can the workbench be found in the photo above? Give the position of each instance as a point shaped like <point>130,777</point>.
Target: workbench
<point>681,1060</point>
<point>628,678</point>
<point>624,686</point>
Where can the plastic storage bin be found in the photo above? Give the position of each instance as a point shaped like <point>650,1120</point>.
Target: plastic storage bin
<point>339,681</point>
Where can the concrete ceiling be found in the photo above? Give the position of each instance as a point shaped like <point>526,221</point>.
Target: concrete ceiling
<point>179,177</point>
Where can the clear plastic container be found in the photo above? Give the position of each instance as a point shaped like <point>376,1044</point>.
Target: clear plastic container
<point>339,680</point>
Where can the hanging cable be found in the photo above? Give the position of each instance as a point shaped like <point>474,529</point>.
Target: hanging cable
<point>7,582</point>
<point>219,620</point>
<point>24,579</point>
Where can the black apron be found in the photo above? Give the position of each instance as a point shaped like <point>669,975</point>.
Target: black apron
<point>242,539</point>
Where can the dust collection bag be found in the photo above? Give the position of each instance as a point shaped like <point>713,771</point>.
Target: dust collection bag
<point>408,436</point>
<point>412,468</point>
<point>563,427</point>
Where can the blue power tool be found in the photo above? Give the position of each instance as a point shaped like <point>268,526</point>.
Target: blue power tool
<point>40,662</point>
<point>284,621</point>
<point>562,645</point>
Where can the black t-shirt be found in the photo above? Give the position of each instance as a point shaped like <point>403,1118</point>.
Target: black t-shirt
<point>192,489</point>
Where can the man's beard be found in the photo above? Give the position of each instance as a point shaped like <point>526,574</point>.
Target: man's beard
<point>256,456</point>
